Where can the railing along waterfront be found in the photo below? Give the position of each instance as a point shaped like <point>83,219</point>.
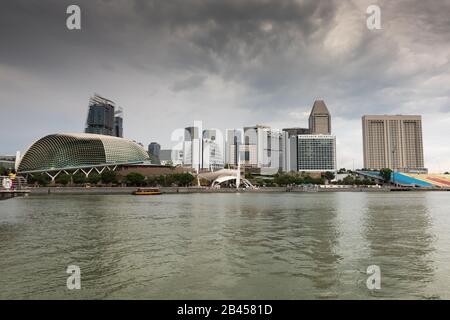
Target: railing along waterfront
<point>13,186</point>
<point>8,183</point>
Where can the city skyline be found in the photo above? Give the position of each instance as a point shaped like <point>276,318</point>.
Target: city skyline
<point>319,122</point>
<point>291,55</point>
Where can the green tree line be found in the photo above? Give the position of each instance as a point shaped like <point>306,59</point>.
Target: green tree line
<point>111,178</point>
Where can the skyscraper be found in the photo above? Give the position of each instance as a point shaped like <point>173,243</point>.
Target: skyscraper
<point>192,148</point>
<point>202,149</point>
<point>393,142</point>
<point>319,119</point>
<point>233,145</point>
<point>311,149</point>
<point>212,154</point>
<point>118,123</point>
<point>103,117</point>
<point>154,149</point>
<point>262,148</point>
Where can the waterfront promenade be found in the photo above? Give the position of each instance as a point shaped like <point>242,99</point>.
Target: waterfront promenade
<point>12,187</point>
<point>183,190</point>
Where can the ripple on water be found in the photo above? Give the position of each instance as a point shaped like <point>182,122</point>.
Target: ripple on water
<point>227,246</point>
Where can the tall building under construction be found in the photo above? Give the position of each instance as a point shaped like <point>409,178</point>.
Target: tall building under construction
<point>104,117</point>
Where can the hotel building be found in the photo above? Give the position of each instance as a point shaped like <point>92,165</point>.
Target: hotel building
<point>312,153</point>
<point>393,141</point>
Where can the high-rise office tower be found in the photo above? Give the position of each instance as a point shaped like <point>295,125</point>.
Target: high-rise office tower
<point>154,149</point>
<point>212,150</point>
<point>320,119</point>
<point>233,145</point>
<point>192,148</point>
<point>103,117</point>
<point>202,149</point>
<point>262,148</point>
<point>118,123</point>
<point>393,142</point>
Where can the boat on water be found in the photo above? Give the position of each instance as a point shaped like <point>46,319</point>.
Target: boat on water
<point>147,192</point>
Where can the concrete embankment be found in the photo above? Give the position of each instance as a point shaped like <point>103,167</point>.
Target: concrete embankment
<point>183,190</point>
<point>129,190</point>
<point>8,194</point>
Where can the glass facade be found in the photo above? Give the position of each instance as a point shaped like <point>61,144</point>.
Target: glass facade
<point>118,127</point>
<point>316,153</point>
<point>154,149</point>
<point>103,117</point>
<point>100,120</point>
<point>233,143</point>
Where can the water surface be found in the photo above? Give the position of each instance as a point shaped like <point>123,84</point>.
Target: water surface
<point>227,246</point>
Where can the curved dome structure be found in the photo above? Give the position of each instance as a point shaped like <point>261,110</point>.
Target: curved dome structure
<point>66,151</point>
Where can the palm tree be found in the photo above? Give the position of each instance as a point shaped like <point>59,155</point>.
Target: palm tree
<point>386,174</point>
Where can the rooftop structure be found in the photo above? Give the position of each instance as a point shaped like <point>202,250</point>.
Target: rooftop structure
<point>319,119</point>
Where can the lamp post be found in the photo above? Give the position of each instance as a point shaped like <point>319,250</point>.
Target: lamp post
<point>238,173</point>
<point>393,167</point>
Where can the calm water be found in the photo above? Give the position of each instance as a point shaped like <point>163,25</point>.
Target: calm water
<point>219,246</point>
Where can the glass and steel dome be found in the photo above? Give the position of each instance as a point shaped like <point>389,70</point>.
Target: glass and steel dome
<point>65,151</point>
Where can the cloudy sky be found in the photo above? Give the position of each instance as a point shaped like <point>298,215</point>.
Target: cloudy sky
<point>228,63</point>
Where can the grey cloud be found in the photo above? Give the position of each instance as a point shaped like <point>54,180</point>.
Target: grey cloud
<point>191,82</point>
<point>258,58</point>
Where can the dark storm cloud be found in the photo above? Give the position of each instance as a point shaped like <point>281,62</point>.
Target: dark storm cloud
<point>254,60</point>
<point>234,38</point>
<point>213,35</point>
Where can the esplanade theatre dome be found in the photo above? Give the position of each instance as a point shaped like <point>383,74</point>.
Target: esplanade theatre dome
<point>67,151</point>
